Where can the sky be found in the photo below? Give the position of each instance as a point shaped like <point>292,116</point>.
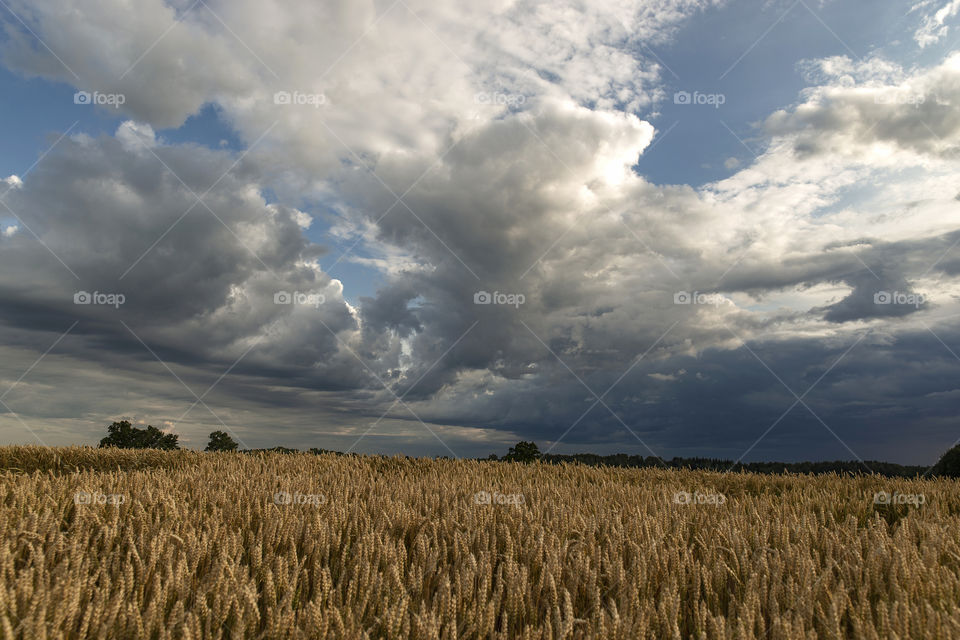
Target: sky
<point>657,227</point>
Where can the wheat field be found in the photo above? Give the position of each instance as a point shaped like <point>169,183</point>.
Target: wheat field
<point>125,544</point>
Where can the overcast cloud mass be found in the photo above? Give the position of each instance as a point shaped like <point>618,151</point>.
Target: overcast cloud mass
<point>436,228</point>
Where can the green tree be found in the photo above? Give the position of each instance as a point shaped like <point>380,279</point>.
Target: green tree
<point>523,452</point>
<point>949,464</point>
<point>126,436</point>
<point>221,441</point>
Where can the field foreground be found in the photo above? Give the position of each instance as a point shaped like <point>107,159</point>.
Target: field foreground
<point>121,544</point>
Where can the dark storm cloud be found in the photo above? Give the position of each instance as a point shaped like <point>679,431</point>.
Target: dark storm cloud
<point>527,268</point>
<point>197,284</point>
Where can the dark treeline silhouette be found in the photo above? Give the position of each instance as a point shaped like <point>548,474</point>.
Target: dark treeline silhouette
<point>124,435</point>
<point>949,464</point>
<point>221,441</point>
<point>889,469</point>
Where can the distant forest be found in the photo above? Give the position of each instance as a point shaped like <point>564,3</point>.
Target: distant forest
<point>123,434</point>
<point>712,464</point>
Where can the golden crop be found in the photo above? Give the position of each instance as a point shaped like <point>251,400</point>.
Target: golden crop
<point>126,544</point>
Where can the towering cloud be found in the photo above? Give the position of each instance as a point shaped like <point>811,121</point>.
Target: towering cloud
<point>481,159</point>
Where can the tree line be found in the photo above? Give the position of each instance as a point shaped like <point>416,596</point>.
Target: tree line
<point>124,435</point>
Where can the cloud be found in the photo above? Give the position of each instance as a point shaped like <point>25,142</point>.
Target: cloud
<point>404,76</point>
<point>198,275</point>
<point>915,116</point>
<point>934,27</point>
<point>135,136</point>
<point>467,150</point>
